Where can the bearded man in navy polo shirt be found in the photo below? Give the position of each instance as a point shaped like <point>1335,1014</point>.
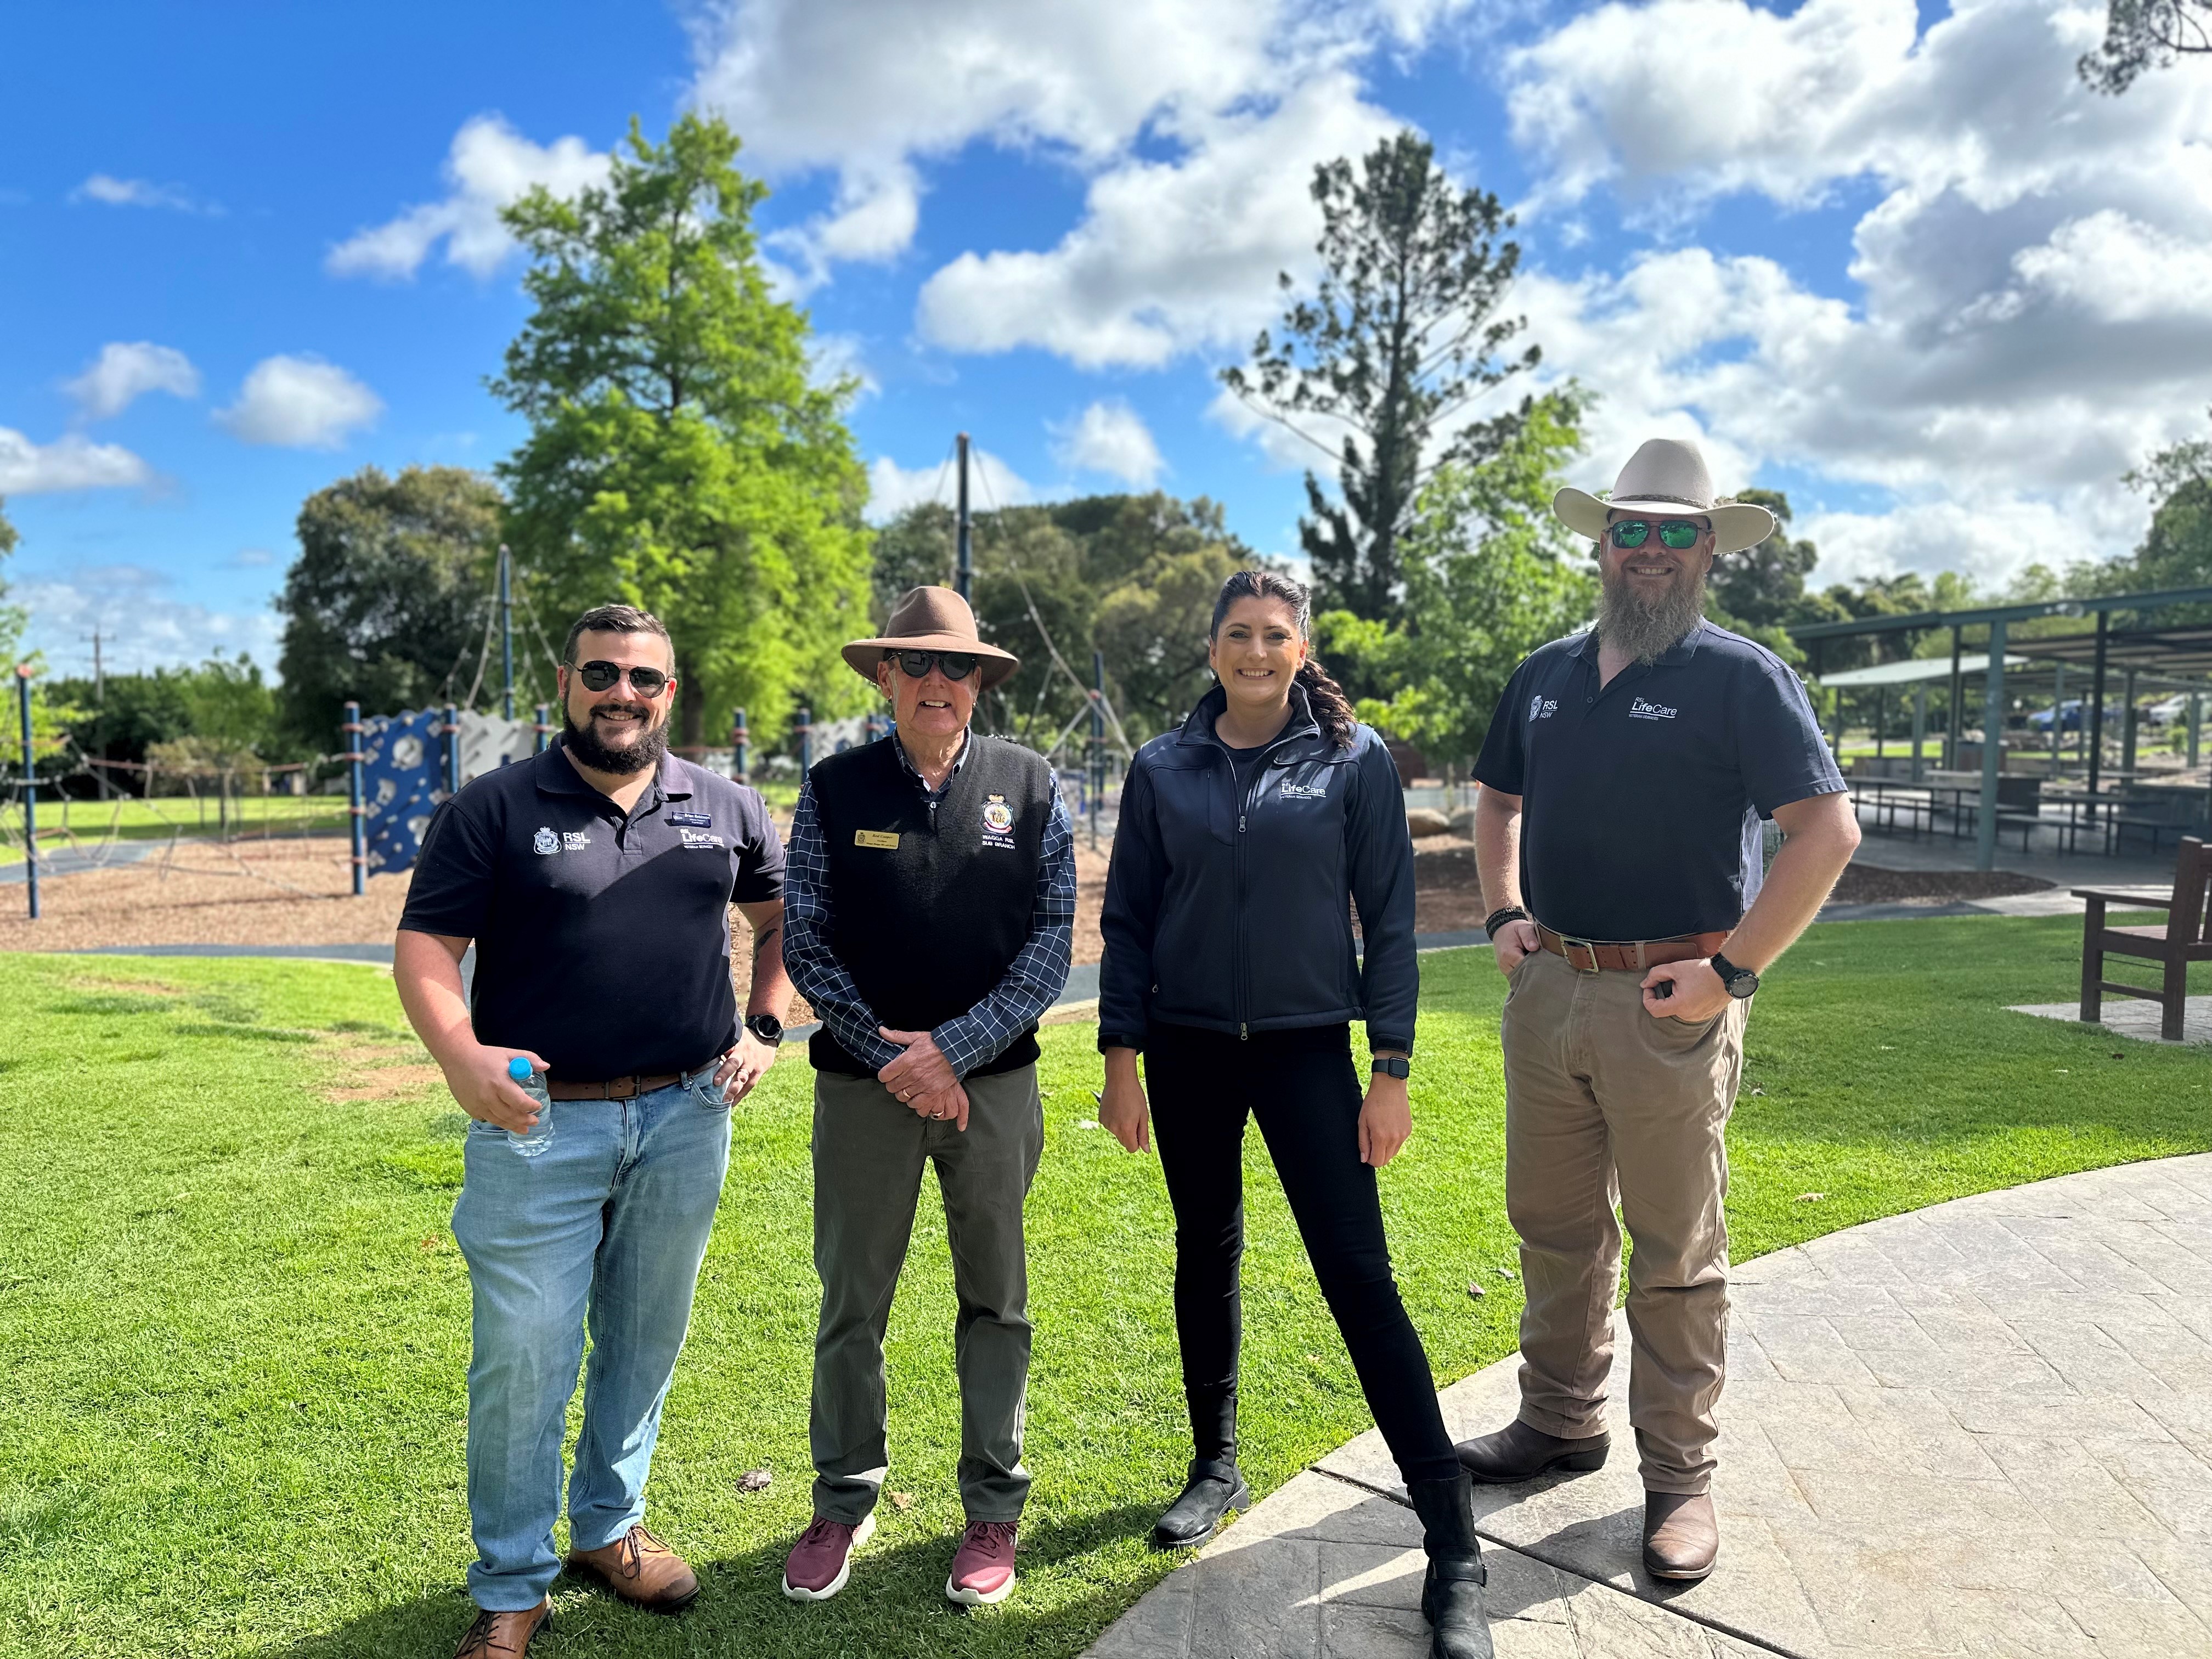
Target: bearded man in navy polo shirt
<point>1625,779</point>
<point>596,881</point>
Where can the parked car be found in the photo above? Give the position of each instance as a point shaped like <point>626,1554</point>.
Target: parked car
<point>2167,710</point>
<point>2070,712</point>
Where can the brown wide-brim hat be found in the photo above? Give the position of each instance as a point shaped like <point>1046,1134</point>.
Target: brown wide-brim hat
<point>932,619</point>
<point>1667,476</point>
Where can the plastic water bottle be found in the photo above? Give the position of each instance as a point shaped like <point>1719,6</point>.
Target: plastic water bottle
<point>537,1139</point>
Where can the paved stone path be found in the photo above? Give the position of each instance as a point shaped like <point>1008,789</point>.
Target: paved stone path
<point>1982,1429</point>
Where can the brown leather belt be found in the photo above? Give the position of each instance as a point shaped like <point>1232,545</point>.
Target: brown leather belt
<point>1627,956</point>
<point>615,1088</point>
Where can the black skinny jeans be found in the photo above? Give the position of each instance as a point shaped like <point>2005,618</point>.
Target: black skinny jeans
<point>1301,1086</point>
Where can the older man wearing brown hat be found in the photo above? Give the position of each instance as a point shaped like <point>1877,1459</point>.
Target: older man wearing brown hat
<point>929,906</point>
<point>1623,781</point>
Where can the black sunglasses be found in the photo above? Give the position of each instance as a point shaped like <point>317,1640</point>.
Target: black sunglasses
<point>1677,534</point>
<point>917,664</point>
<point>606,676</point>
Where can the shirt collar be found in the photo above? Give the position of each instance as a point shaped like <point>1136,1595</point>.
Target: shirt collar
<point>1586,646</point>
<point>557,775</point>
<point>914,772</point>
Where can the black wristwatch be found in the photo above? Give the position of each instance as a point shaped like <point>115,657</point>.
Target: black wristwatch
<point>1740,982</point>
<point>1395,1065</point>
<point>767,1027</point>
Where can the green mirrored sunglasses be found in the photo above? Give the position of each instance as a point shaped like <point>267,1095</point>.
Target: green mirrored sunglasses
<point>1677,534</point>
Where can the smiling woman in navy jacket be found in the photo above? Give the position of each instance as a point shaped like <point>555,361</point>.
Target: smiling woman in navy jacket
<point>1246,838</point>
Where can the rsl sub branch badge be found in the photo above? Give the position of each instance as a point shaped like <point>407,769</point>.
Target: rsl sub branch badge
<point>998,822</point>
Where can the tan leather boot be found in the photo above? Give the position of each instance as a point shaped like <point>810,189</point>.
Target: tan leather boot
<point>1681,1535</point>
<point>505,1635</point>
<point>640,1570</point>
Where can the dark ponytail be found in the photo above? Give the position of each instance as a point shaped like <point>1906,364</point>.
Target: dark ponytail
<point>1332,709</point>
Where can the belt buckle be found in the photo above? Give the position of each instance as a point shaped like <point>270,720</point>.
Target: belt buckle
<point>1569,947</point>
<point>623,1088</point>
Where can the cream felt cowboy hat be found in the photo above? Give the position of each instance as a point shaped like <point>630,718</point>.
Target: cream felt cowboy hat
<point>932,619</point>
<point>1666,476</point>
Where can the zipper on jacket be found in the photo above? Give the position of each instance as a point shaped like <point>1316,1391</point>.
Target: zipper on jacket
<point>1243,952</point>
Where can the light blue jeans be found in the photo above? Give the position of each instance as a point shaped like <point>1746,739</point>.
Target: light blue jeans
<point>613,1218</point>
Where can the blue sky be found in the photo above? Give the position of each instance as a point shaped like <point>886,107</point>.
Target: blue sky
<point>1894,260</point>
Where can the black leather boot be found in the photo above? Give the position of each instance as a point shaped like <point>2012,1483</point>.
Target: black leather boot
<point>1214,1488</point>
<point>1451,1595</point>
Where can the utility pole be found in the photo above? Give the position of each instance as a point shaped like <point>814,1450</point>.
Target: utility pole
<point>99,674</point>
<point>23,672</point>
<point>964,573</point>
<point>506,636</point>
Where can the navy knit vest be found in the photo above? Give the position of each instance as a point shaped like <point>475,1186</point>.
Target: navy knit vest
<point>929,906</point>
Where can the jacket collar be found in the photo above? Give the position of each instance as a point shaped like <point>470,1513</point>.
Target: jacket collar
<point>1198,728</point>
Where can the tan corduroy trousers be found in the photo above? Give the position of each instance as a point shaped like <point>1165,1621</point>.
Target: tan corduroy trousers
<point>1607,1105</point>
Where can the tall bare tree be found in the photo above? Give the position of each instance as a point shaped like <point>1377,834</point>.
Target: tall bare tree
<point>2141,34</point>
<point>1391,349</point>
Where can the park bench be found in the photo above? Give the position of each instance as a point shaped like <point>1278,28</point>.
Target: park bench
<point>2181,939</point>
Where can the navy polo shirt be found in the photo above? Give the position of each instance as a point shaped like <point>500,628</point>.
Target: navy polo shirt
<point>1641,800</point>
<point>603,939</point>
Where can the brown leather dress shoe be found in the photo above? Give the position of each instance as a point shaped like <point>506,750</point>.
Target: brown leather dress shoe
<point>1680,1536</point>
<point>505,1635</point>
<point>640,1570</point>
<point>1518,1453</point>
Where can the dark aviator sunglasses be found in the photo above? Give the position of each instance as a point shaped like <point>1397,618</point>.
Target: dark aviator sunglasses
<point>606,676</point>
<point>1677,534</point>
<point>917,664</point>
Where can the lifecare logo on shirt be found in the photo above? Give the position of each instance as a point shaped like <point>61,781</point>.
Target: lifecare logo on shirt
<point>1306,791</point>
<point>700,838</point>
<point>1641,709</point>
<point>1541,707</point>
<point>998,822</point>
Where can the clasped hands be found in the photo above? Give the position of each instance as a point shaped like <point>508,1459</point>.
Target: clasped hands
<point>922,1079</point>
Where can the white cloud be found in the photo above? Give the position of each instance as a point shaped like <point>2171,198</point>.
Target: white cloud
<point>1169,256</point>
<point>1111,438</point>
<point>1246,96</point>
<point>892,488</point>
<point>112,191</point>
<point>125,371</point>
<point>300,402</point>
<point>70,462</point>
<point>142,623</point>
<point>2030,317</point>
<point>489,166</point>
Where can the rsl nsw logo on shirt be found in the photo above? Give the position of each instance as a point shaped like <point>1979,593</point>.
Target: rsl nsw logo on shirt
<point>1541,707</point>
<point>998,822</point>
<point>545,843</point>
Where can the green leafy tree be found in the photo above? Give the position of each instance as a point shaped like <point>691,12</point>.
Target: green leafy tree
<point>1764,587</point>
<point>1490,575</point>
<point>2177,551</point>
<point>388,601</point>
<point>680,457</point>
<point>1392,349</point>
<point>2144,35</point>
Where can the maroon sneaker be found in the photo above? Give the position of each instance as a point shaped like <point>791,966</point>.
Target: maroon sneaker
<point>822,1560</point>
<point>983,1571</point>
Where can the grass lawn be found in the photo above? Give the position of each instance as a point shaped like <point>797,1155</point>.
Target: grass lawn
<point>235,1325</point>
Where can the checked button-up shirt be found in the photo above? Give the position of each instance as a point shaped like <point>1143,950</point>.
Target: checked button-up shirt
<point>1029,986</point>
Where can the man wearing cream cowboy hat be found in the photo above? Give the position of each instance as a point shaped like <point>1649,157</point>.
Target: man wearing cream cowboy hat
<point>929,911</point>
<point>1624,779</point>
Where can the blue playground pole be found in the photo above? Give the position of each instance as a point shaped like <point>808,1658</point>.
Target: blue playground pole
<point>452,749</point>
<point>805,729</point>
<point>23,671</point>
<point>355,812</point>
<point>738,738</point>
<point>544,729</point>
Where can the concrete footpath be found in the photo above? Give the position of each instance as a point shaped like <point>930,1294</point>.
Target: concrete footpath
<point>1981,1429</point>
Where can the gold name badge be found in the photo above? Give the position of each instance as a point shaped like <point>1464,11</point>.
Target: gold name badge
<point>886,839</point>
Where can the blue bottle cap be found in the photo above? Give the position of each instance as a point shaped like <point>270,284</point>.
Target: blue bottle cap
<point>519,1069</point>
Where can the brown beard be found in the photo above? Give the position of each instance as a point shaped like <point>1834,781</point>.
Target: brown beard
<point>584,744</point>
<point>1646,631</point>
